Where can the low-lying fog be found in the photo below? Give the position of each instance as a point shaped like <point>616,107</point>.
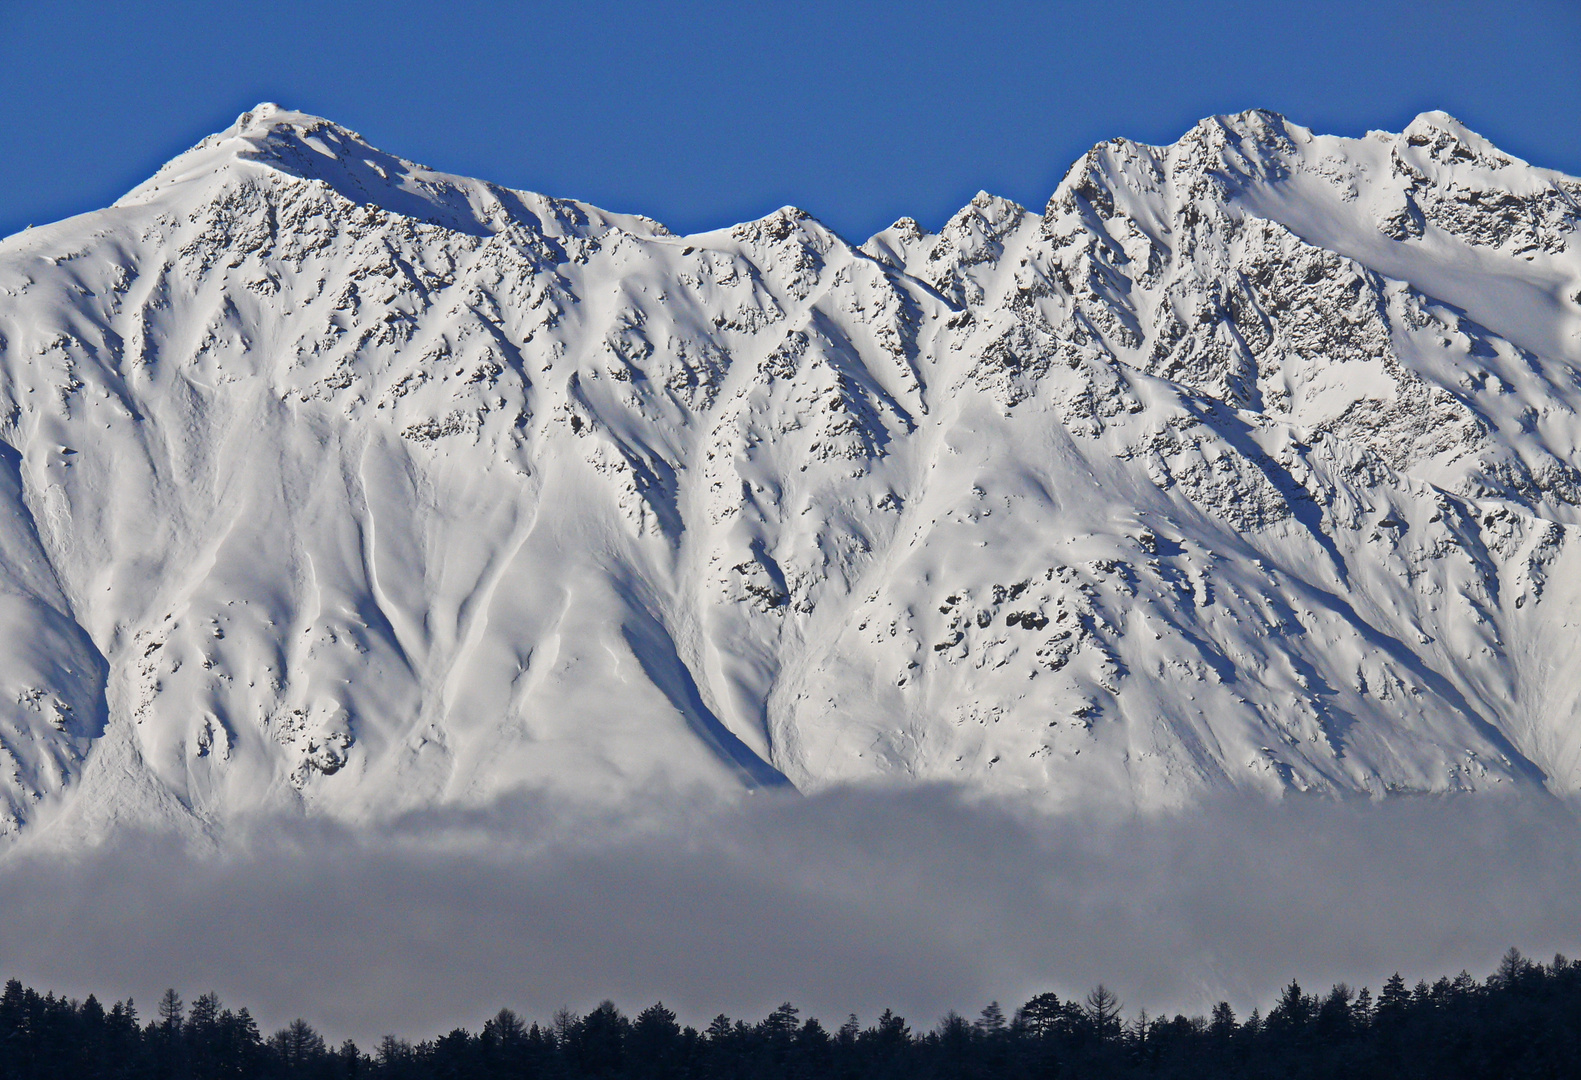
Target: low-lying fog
<point>844,902</point>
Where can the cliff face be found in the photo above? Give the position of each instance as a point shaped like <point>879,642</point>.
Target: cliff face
<point>1250,463</point>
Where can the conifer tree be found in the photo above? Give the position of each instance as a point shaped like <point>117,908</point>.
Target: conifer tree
<point>992,1020</point>
<point>297,1045</point>
<point>1393,1001</point>
<point>1042,1016</point>
<point>170,1014</point>
<point>1103,1012</point>
<point>1222,1023</point>
<point>1511,967</point>
<point>655,1040</point>
<point>847,1035</point>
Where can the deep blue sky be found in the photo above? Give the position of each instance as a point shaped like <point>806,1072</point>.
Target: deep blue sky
<point>704,114</point>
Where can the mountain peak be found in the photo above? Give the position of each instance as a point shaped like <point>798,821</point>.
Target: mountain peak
<point>266,115</point>
<point>310,148</point>
<point>324,506</point>
<point>1438,120</point>
<point>1450,142</point>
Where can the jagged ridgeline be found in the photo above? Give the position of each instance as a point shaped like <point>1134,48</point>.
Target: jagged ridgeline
<point>1248,464</point>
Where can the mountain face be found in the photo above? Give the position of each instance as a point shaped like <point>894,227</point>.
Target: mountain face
<point>1249,463</point>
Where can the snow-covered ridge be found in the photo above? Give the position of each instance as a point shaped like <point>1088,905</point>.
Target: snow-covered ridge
<point>1250,462</point>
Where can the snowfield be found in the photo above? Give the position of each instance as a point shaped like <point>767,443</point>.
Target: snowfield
<point>1247,464</point>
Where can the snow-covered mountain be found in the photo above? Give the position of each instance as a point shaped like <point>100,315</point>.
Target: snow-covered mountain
<point>1248,463</point>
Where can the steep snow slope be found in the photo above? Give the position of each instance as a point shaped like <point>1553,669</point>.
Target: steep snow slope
<point>1250,463</point>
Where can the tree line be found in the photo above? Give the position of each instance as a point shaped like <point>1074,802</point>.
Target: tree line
<point>1523,1020</point>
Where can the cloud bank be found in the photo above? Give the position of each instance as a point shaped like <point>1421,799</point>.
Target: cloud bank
<point>851,901</point>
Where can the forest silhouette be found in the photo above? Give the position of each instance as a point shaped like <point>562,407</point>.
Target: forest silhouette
<point>1522,1020</point>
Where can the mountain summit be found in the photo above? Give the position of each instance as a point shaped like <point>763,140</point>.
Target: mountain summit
<point>1248,463</point>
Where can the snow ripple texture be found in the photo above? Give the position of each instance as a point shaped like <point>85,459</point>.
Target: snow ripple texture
<point>1248,464</point>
